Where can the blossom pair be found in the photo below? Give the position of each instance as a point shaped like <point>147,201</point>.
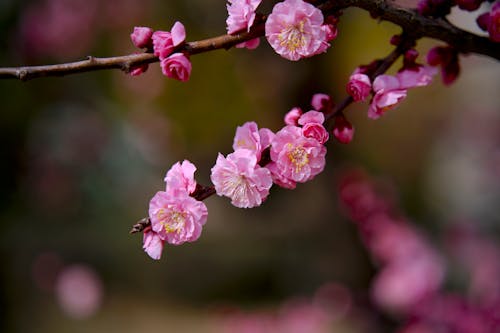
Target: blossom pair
<point>176,217</point>
<point>174,65</point>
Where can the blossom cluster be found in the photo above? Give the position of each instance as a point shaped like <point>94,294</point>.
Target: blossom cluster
<point>389,90</point>
<point>163,43</point>
<point>260,158</point>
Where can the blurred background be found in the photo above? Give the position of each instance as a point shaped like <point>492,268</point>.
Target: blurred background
<point>82,155</point>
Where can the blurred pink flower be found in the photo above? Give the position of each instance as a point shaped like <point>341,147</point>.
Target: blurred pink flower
<point>343,130</point>
<point>312,117</point>
<point>297,158</point>
<point>141,37</point>
<point>292,116</point>
<point>388,94</point>
<point>241,15</point>
<point>294,29</point>
<point>177,217</point>
<point>239,177</point>
<point>152,244</point>
<point>321,102</point>
<point>181,176</point>
<point>419,77</point>
<point>359,87</point>
<point>177,66</point>
<point>79,291</point>
<point>491,22</point>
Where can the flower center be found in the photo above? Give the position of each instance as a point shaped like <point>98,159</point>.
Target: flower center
<point>298,157</point>
<point>172,221</point>
<point>293,37</point>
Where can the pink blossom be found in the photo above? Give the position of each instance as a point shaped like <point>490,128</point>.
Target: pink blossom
<point>266,137</point>
<point>297,158</point>
<point>278,177</point>
<point>447,58</point>
<point>176,217</point>
<point>359,87</point>
<point>181,176</point>
<point>165,42</point>
<point>314,117</point>
<point>239,177</point>
<point>247,137</point>
<point>491,22</point>
<point>388,95</point>
<point>177,66</point>
<point>411,78</point>
<point>241,15</point>
<point>315,131</point>
<point>294,29</point>
<point>343,130</point>
<point>321,102</point>
<point>141,37</point>
<point>152,244</point>
<point>292,116</point>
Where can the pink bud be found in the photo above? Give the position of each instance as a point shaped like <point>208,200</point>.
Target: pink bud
<point>315,131</point>
<point>162,44</point>
<point>292,117</point>
<point>494,24</point>
<point>321,102</point>
<point>138,70</point>
<point>177,66</point>
<point>483,21</point>
<point>141,37</point>
<point>343,130</point>
<point>359,87</point>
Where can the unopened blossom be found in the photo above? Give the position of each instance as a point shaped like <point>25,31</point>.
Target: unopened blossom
<point>241,15</point>
<point>388,95</point>
<point>312,127</point>
<point>141,37</point>
<point>240,178</point>
<point>176,66</point>
<point>181,176</point>
<point>321,102</point>
<point>418,77</point>
<point>292,116</point>
<point>164,42</point>
<point>447,58</point>
<point>152,244</point>
<point>494,23</point>
<point>176,217</point>
<point>138,70</point>
<point>343,130</point>
<point>294,29</point>
<point>359,87</point>
<point>297,158</point>
<point>251,44</point>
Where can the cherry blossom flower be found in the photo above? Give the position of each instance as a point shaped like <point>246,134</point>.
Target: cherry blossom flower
<point>152,244</point>
<point>176,66</point>
<point>297,158</point>
<point>359,87</point>
<point>176,217</point>
<point>165,42</point>
<point>292,116</point>
<point>294,29</point>
<point>241,15</point>
<point>181,176</point>
<point>248,137</point>
<point>312,126</point>
<point>141,37</point>
<point>312,117</point>
<point>239,177</point>
<point>388,95</point>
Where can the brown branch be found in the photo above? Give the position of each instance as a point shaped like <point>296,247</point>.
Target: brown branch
<point>408,19</point>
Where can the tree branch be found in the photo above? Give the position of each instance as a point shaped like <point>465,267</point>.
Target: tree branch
<point>408,19</point>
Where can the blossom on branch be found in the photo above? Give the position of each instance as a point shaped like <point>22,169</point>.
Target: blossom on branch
<point>141,37</point>
<point>164,42</point>
<point>359,87</point>
<point>152,244</point>
<point>295,29</point>
<point>181,176</point>
<point>388,95</point>
<point>239,177</point>
<point>177,66</point>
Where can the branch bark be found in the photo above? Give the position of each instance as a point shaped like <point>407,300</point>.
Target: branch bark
<point>408,19</point>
